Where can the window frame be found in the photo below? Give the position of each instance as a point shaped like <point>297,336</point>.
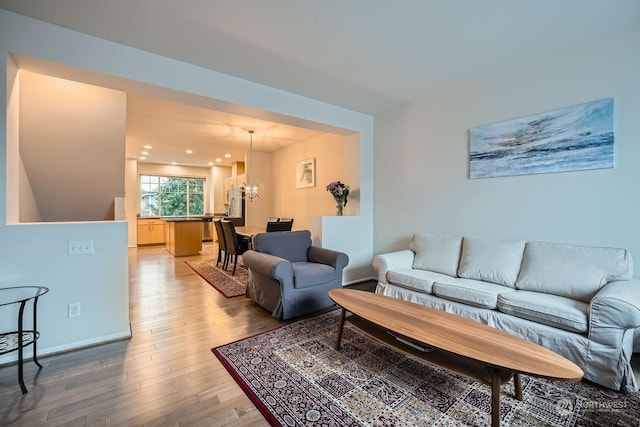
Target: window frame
<point>161,179</point>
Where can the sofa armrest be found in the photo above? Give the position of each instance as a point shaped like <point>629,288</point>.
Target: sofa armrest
<point>270,266</point>
<point>335,259</point>
<point>390,261</point>
<point>615,306</point>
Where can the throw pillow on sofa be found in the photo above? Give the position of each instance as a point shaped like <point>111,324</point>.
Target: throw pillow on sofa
<point>490,260</point>
<point>577,272</point>
<point>436,252</point>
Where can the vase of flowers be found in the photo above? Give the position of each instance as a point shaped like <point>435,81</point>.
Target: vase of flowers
<point>340,193</point>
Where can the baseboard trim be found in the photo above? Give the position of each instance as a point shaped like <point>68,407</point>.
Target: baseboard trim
<point>12,358</point>
<point>353,282</point>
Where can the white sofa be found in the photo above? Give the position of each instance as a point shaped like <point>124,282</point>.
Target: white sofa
<point>581,302</point>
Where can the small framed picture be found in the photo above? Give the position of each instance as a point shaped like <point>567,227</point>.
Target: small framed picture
<point>306,173</point>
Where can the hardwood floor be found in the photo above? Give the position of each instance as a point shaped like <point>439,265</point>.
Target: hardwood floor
<point>164,375</point>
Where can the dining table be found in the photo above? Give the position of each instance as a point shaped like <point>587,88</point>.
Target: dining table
<point>248,231</point>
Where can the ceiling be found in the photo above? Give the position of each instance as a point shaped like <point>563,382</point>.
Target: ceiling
<point>365,55</point>
<point>172,128</point>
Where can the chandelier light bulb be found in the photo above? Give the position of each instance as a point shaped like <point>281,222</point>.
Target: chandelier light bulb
<point>252,191</point>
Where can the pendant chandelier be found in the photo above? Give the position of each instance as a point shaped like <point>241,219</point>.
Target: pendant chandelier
<point>252,190</point>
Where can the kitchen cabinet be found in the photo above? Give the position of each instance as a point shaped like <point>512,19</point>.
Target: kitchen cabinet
<point>240,180</point>
<point>150,231</point>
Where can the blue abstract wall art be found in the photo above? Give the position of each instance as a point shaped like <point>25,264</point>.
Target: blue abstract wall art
<point>573,138</point>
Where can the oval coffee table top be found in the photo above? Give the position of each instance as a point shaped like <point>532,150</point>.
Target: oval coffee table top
<point>458,335</point>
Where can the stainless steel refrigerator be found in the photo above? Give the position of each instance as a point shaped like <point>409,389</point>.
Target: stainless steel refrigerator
<point>236,203</point>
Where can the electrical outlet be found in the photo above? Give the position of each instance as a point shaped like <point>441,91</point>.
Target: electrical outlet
<point>74,310</point>
<point>80,247</point>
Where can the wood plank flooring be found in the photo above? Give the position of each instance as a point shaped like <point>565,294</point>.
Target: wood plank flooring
<point>165,375</point>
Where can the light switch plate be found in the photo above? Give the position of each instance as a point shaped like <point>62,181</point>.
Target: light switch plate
<point>80,247</point>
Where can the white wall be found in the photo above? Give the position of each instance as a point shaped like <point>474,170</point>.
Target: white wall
<point>334,161</point>
<point>359,246</point>
<point>11,157</point>
<point>131,200</point>
<point>36,254</point>
<point>217,176</point>
<point>72,144</point>
<point>259,210</point>
<point>422,156</point>
<point>29,211</point>
<point>338,158</point>
<point>99,281</point>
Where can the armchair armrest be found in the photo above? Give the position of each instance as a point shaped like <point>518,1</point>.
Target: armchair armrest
<point>390,261</point>
<point>335,259</point>
<point>615,306</point>
<point>270,266</point>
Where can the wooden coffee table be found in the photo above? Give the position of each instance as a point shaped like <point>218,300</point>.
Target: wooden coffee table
<point>499,351</point>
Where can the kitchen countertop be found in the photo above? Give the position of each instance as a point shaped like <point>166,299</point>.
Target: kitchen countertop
<point>177,218</point>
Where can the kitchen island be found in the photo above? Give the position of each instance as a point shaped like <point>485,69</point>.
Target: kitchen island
<point>183,236</point>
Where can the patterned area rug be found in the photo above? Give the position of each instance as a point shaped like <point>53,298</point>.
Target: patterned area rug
<point>228,285</point>
<point>295,377</point>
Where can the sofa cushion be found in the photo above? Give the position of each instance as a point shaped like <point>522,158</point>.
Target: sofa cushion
<point>471,292</point>
<point>577,272</point>
<point>552,310</point>
<point>490,260</point>
<point>306,274</point>
<point>436,252</point>
<point>417,280</point>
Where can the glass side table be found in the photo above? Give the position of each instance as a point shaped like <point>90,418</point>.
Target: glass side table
<point>17,340</point>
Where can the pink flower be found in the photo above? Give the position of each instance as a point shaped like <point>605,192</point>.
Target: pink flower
<point>339,191</point>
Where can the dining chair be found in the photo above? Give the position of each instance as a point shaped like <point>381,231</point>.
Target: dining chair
<point>222,246</point>
<point>235,245</point>
<point>288,221</point>
<point>280,225</point>
<point>272,226</point>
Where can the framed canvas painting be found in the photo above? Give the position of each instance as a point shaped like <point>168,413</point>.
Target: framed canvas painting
<point>306,173</point>
<point>573,138</point>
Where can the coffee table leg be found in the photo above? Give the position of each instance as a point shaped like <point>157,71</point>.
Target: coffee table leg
<point>495,397</point>
<point>340,328</point>
<point>517,383</point>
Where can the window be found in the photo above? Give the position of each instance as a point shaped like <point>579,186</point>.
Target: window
<point>171,196</point>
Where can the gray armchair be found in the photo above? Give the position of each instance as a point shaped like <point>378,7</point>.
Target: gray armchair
<point>290,277</point>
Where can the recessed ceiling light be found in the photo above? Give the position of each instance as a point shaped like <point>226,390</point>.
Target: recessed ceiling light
<point>173,163</point>
<point>210,163</point>
<point>145,153</point>
<point>228,156</point>
<point>218,159</point>
<point>143,158</point>
<point>148,147</point>
<point>188,151</point>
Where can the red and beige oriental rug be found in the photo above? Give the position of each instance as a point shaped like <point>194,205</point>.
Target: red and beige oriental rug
<point>295,377</point>
<point>228,285</point>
